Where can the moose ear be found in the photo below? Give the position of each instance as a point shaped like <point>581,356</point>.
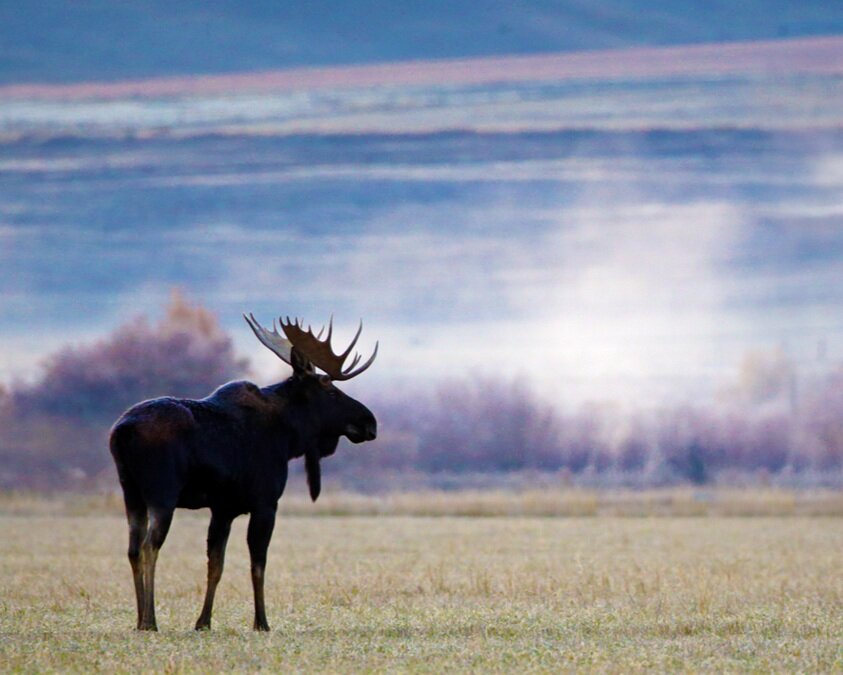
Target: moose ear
<point>301,364</point>
<point>314,474</point>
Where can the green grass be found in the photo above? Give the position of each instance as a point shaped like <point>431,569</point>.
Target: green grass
<point>432,594</point>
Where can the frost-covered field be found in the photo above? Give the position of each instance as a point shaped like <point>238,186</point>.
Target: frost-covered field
<point>433,594</point>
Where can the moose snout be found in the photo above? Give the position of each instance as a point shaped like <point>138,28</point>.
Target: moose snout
<point>363,430</point>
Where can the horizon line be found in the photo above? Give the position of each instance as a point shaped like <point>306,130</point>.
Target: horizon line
<point>814,55</point>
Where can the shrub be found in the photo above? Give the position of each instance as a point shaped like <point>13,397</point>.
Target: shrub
<point>59,424</point>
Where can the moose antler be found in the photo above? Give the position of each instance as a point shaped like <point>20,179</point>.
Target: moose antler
<point>320,353</point>
<point>272,340</point>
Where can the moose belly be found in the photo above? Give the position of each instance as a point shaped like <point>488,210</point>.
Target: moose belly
<point>207,489</point>
<point>194,496</point>
<point>200,489</point>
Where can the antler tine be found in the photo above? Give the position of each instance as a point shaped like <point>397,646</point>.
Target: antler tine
<point>354,361</point>
<point>348,349</point>
<point>349,375</point>
<point>330,329</point>
<point>272,340</point>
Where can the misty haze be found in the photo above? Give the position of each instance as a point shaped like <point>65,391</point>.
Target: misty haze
<point>626,252</point>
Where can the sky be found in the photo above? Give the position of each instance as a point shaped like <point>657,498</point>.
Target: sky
<point>612,218</point>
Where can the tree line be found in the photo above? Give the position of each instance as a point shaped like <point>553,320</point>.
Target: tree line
<point>53,431</point>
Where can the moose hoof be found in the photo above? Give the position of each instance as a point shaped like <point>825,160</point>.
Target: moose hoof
<point>262,626</point>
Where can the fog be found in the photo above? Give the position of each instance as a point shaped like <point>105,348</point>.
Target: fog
<point>613,240</point>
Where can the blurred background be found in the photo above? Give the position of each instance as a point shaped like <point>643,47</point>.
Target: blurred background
<point>599,243</point>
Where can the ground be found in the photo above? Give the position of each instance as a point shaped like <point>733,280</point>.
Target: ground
<point>427,594</point>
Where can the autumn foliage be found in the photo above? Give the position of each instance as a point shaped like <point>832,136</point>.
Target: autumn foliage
<point>55,429</point>
<point>53,432</point>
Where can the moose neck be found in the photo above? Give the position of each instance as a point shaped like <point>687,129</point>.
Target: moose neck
<point>308,439</point>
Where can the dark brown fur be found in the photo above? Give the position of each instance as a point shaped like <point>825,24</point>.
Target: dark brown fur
<point>228,452</point>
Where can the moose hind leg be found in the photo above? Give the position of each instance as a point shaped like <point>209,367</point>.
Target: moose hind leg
<point>159,525</point>
<point>137,532</point>
<point>218,532</point>
<point>261,524</point>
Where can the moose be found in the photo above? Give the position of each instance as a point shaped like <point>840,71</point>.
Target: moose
<point>229,452</point>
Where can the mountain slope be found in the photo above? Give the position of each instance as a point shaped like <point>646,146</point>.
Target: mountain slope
<point>64,41</point>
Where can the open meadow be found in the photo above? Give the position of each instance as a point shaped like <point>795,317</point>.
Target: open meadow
<point>418,593</point>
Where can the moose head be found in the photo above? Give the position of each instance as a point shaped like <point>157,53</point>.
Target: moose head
<point>320,404</point>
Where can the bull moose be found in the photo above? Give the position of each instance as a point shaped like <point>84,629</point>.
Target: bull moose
<point>230,451</point>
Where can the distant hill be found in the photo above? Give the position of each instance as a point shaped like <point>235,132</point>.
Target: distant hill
<point>61,41</point>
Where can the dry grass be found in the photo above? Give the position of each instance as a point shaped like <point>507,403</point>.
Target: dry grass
<point>574,503</point>
<point>431,594</point>
<point>551,502</point>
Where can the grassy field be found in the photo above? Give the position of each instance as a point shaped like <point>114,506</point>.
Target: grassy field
<point>435,593</point>
<point>547,502</point>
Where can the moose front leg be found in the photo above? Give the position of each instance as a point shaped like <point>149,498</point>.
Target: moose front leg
<point>218,532</point>
<point>259,533</point>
